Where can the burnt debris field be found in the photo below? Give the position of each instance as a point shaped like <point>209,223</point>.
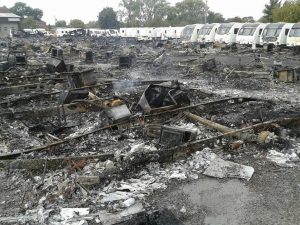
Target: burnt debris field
<point>113,131</point>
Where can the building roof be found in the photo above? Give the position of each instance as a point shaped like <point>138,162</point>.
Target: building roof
<point>9,15</point>
<point>4,12</point>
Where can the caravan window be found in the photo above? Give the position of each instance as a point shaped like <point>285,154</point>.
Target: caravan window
<point>236,30</point>
<point>224,29</point>
<point>247,31</point>
<point>205,31</point>
<point>272,32</point>
<point>295,32</point>
<point>260,31</point>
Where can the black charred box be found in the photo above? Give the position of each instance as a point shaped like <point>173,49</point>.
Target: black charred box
<point>4,66</point>
<point>125,61</point>
<point>56,65</point>
<point>209,65</point>
<point>69,96</point>
<point>80,79</point>
<point>118,113</point>
<point>89,57</point>
<point>174,136</point>
<point>108,54</point>
<point>55,52</point>
<point>21,60</point>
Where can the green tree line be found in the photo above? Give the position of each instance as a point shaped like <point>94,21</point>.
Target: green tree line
<point>275,11</point>
<point>157,13</point>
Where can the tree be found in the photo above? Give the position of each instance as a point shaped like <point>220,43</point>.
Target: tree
<point>107,19</point>
<point>234,19</point>
<point>213,17</point>
<point>129,12</point>
<point>289,12</point>
<point>28,23</point>
<point>23,10</point>
<point>268,11</point>
<point>144,12</point>
<point>153,12</point>
<point>92,24</point>
<point>190,12</point>
<point>61,23</point>
<point>248,19</point>
<point>76,23</point>
<point>37,14</point>
<point>20,9</point>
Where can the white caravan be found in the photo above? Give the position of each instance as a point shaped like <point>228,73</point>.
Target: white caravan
<point>293,38</point>
<point>250,34</point>
<point>168,33</point>
<point>207,33</point>
<point>131,32</point>
<point>190,33</point>
<point>276,34</point>
<point>140,33</point>
<point>160,33</point>
<point>123,32</point>
<point>174,32</point>
<point>227,33</point>
<point>144,33</point>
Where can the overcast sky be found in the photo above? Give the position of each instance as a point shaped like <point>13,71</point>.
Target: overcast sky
<point>87,10</point>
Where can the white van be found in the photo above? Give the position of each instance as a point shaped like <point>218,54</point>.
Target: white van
<point>189,33</point>
<point>207,33</point>
<point>227,33</point>
<point>293,38</point>
<point>250,34</point>
<point>276,34</point>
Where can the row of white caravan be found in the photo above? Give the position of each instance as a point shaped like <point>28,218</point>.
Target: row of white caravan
<point>60,32</point>
<point>150,33</point>
<point>278,34</point>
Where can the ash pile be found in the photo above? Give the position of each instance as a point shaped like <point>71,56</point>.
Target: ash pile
<point>92,129</point>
